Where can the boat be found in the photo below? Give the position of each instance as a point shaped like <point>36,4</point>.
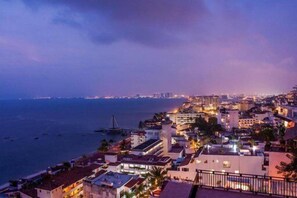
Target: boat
<point>114,130</point>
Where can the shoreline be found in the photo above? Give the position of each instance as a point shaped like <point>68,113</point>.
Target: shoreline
<point>5,185</point>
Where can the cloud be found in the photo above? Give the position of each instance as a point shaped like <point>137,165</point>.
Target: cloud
<point>153,23</point>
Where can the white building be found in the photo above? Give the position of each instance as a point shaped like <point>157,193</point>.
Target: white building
<point>229,119</point>
<point>149,147</point>
<point>137,138</point>
<point>140,165</point>
<point>223,159</point>
<point>108,185</point>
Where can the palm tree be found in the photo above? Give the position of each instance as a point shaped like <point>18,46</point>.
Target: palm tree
<point>140,191</point>
<point>289,170</point>
<point>157,176</point>
<point>129,194</point>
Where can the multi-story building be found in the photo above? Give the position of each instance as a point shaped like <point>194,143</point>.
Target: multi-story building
<point>246,122</point>
<point>185,117</point>
<point>137,138</point>
<point>68,183</point>
<point>153,132</point>
<point>229,119</point>
<point>141,165</point>
<point>110,185</point>
<point>224,159</point>
<point>246,105</point>
<point>149,147</point>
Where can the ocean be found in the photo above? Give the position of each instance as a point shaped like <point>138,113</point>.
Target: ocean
<point>35,134</point>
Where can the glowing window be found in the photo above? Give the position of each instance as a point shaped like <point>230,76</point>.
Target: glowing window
<point>226,164</point>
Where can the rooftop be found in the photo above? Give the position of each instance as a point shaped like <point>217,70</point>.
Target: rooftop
<point>176,190</point>
<point>146,160</point>
<point>112,179</point>
<point>147,145</point>
<point>67,178</point>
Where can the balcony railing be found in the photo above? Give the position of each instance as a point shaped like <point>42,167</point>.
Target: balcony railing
<point>255,184</point>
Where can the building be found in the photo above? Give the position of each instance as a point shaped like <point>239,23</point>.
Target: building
<point>223,159</point>
<point>246,105</point>
<point>287,111</point>
<point>149,147</point>
<point>108,185</point>
<point>137,138</point>
<point>166,136</point>
<point>68,183</point>
<point>229,119</point>
<point>246,122</point>
<point>140,165</point>
<point>153,132</point>
<point>185,117</point>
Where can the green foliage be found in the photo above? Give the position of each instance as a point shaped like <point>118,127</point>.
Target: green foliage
<point>266,134</point>
<point>157,176</point>
<point>210,127</point>
<point>104,146</point>
<point>124,145</point>
<point>141,125</point>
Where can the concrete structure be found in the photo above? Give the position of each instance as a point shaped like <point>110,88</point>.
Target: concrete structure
<point>137,138</point>
<point>246,122</point>
<point>141,165</point>
<point>224,159</point>
<point>149,147</point>
<point>153,132</point>
<point>68,183</point>
<point>109,185</point>
<point>246,105</point>
<point>229,119</point>
<point>166,135</point>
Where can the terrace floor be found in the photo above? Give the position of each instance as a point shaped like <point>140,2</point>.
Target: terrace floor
<point>207,193</point>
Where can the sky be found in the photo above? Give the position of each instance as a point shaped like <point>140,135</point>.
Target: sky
<point>73,48</point>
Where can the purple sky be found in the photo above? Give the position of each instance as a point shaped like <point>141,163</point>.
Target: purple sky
<point>110,47</point>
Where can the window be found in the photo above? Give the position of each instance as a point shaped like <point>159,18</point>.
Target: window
<point>205,162</point>
<point>185,169</point>
<point>226,164</point>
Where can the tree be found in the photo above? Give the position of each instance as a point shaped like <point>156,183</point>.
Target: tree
<point>129,194</point>
<point>157,176</point>
<point>289,170</point>
<point>141,125</point>
<point>140,190</point>
<point>104,146</point>
<point>124,145</point>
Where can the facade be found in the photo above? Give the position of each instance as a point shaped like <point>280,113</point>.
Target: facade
<point>141,165</point>
<point>137,138</point>
<point>246,122</point>
<point>246,105</point>
<point>108,185</point>
<point>166,135</point>
<point>229,119</point>
<point>184,117</point>
<point>149,147</point>
<point>68,183</point>
<point>223,159</point>
<point>153,132</point>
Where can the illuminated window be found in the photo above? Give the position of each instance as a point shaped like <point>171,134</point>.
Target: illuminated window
<point>198,161</point>
<point>226,164</point>
<point>237,171</point>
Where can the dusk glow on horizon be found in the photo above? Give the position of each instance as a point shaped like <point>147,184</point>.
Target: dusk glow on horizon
<point>76,48</point>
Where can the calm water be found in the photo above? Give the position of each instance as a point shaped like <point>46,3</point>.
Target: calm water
<point>37,133</point>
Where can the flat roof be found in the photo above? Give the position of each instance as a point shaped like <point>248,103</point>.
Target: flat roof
<point>176,190</point>
<point>112,179</point>
<point>147,145</point>
<point>146,160</point>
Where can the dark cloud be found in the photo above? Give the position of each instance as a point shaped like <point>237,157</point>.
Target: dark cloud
<point>153,23</point>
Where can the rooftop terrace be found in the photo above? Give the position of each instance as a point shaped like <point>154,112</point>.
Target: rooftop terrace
<point>112,179</point>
